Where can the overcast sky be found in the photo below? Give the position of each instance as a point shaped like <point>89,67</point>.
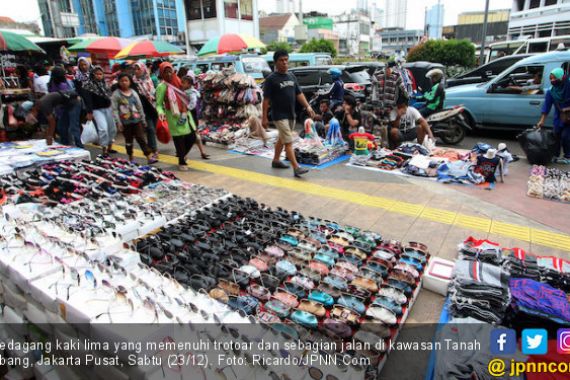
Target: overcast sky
<point>27,10</point>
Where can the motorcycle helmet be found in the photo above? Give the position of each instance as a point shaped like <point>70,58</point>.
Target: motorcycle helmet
<point>335,73</point>
<point>435,75</point>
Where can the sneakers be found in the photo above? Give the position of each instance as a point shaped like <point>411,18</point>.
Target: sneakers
<point>279,165</point>
<point>300,171</point>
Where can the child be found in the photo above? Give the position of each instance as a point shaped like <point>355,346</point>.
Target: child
<point>193,95</point>
<point>129,115</point>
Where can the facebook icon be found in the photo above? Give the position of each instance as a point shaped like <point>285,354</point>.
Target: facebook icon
<point>503,342</point>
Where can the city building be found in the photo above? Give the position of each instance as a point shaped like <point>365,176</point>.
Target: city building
<point>59,18</point>
<point>377,23</point>
<point>434,21</point>
<point>285,6</point>
<point>211,18</point>
<point>156,19</point>
<point>354,33</point>
<point>397,41</point>
<point>362,5</point>
<point>470,26</point>
<point>396,12</point>
<point>539,18</point>
<point>280,27</point>
<point>24,28</point>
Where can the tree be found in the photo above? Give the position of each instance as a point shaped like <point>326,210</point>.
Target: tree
<point>321,46</point>
<point>277,45</point>
<point>446,52</point>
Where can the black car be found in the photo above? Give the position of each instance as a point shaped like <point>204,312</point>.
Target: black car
<point>314,78</point>
<point>486,72</point>
<point>419,71</point>
<point>371,67</point>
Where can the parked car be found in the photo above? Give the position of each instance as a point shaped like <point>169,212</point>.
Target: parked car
<point>486,72</point>
<point>419,71</point>
<point>314,78</point>
<point>302,59</point>
<point>371,67</point>
<point>251,64</point>
<point>498,104</point>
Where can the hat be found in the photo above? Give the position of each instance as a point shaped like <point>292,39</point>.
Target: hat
<point>491,153</point>
<point>502,146</point>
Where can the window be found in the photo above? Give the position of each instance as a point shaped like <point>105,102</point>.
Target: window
<point>307,78</point>
<point>538,47</point>
<point>298,63</point>
<point>254,65</point>
<point>522,76</point>
<point>198,9</point>
<point>534,4</point>
<point>246,9</point>
<point>323,61</point>
<point>203,67</point>
<point>231,8</point>
<point>550,2</point>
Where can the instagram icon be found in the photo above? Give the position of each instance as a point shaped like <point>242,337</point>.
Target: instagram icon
<point>563,346</point>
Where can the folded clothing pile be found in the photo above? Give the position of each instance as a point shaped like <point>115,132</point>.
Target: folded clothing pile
<point>540,300</point>
<point>459,172</point>
<point>483,250</point>
<point>479,290</point>
<point>422,166</point>
<point>554,271</point>
<point>520,264</point>
<point>549,183</point>
<point>229,98</point>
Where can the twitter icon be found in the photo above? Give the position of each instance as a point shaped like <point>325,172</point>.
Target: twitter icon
<point>534,341</point>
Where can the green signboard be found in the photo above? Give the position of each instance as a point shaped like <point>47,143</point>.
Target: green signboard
<point>318,23</point>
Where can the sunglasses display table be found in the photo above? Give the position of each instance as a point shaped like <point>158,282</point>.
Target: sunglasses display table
<point>20,155</point>
<point>210,268</point>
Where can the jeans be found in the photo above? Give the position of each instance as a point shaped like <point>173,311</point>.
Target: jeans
<point>426,112</point>
<point>132,132</point>
<point>563,141</point>
<point>105,126</point>
<point>151,134</point>
<point>183,144</point>
<point>69,125</point>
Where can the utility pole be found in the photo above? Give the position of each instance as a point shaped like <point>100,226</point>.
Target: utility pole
<point>482,53</point>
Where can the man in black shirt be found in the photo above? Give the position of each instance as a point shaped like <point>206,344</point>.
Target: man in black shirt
<point>323,118</point>
<point>349,119</point>
<point>281,91</point>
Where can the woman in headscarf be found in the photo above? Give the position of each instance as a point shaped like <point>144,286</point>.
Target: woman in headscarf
<point>559,96</point>
<point>68,123</point>
<point>172,106</point>
<point>83,73</point>
<point>97,98</point>
<point>144,86</point>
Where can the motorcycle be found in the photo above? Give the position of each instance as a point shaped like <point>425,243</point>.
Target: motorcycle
<point>449,125</point>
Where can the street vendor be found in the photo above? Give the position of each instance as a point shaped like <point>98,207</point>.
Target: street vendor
<point>47,105</point>
<point>407,124</point>
<point>387,87</point>
<point>349,119</point>
<point>323,118</point>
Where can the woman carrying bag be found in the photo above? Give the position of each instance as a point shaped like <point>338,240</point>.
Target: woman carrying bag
<point>559,97</point>
<point>172,107</point>
<point>97,98</point>
<point>145,88</point>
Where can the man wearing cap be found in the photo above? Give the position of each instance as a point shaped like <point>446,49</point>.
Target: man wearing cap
<point>388,86</point>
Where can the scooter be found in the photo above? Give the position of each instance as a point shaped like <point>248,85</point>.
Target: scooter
<point>449,124</point>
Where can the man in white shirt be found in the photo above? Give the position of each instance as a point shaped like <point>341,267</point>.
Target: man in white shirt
<point>41,80</point>
<point>407,124</point>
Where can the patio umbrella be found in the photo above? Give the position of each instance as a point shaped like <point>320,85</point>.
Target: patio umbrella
<point>228,43</point>
<point>17,43</point>
<point>149,49</point>
<point>106,45</point>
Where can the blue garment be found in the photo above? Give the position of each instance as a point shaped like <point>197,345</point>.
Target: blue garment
<point>337,91</point>
<point>69,126</point>
<point>540,299</point>
<point>561,131</point>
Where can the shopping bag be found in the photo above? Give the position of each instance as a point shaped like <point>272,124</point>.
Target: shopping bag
<point>538,145</point>
<point>162,131</point>
<point>89,134</point>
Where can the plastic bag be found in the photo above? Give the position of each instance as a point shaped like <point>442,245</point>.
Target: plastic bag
<point>89,134</point>
<point>538,145</point>
<point>162,131</point>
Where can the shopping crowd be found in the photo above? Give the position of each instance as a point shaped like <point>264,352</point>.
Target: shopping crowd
<point>135,99</point>
<point>140,98</point>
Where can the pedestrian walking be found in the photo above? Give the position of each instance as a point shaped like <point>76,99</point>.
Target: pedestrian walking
<point>281,92</point>
<point>68,114</point>
<point>172,107</point>
<point>129,116</point>
<point>146,90</point>
<point>559,97</point>
<point>96,96</point>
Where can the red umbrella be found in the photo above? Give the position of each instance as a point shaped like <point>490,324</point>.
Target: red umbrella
<point>106,45</point>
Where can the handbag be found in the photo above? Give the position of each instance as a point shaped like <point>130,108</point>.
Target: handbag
<point>162,131</point>
<point>564,114</point>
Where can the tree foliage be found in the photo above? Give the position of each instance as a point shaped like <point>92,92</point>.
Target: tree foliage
<point>446,52</point>
<point>277,45</point>
<point>320,46</point>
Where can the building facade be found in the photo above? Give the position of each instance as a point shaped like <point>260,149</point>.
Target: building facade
<point>354,33</point>
<point>395,13</point>
<point>211,18</point>
<point>59,18</point>
<point>470,26</point>
<point>157,19</point>
<point>539,18</point>
<point>397,41</point>
<point>279,28</point>
<point>434,22</point>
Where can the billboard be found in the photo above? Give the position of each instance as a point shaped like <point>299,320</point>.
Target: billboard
<point>318,22</point>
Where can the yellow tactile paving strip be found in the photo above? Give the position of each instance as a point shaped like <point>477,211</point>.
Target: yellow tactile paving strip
<point>523,233</point>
